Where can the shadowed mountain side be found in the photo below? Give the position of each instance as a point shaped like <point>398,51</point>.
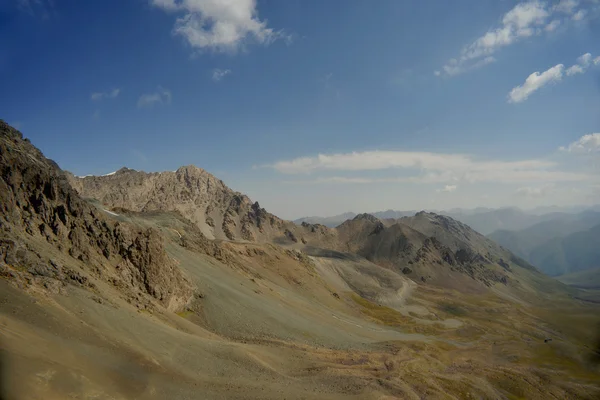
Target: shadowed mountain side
<point>41,213</point>
<point>563,245</point>
<point>427,247</point>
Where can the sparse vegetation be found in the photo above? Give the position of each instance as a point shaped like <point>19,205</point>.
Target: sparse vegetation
<point>452,309</point>
<point>382,314</point>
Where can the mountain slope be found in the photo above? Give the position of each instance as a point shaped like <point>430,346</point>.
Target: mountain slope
<point>428,248</point>
<point>218,211</point>
<point>483,220</point>
<point>587,279</point>
<point>564,244</point>
<point>141,305</point>
<point>489,221</point>
<point>576,252</point>
<point>41,213</point>
<point>439,252</point>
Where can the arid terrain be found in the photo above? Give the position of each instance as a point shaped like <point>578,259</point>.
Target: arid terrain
<point>172,286</point>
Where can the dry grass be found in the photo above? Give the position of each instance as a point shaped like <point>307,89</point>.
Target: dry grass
<point>382,314</point>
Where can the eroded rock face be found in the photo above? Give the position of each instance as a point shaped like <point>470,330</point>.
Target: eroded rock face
<point>37,201</point>
<point>205,200</point>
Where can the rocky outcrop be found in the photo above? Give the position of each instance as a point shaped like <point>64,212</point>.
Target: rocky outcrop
<point>217,210</point>
<point>37,202</point>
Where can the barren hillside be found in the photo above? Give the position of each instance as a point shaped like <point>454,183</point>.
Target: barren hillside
<point>125,297</point>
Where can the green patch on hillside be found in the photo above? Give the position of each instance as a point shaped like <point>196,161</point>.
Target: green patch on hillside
<point>589,279</point>
<point>452,309</point>
<point>382,314</point>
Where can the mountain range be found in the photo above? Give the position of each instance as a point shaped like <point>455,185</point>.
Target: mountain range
<point>222,214</point>
<point>565,244</point>
<point>483,220</point>
<point>171,285</point>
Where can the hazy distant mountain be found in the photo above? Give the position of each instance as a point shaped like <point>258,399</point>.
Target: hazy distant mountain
<point>489,221</point>
<point>588,279</point>
<point>336,220</point>
<point>483,220</point>
<point>563,244</point>
<point>330,222</point>
<point>393,214</point>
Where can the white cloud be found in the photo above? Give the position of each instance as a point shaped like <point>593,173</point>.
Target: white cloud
<point>585,59</point>
<point>448,189</point>
<point>566,6</point>
<point>583,62</point>
<point>536,191</point>
<point>111,94</point>
<point>426,167</point>
<point>585,144</point>
<point>219,25</point>
<point>534,82</point>
<point>454,67</point>
<point>161,96</point>
<point>552,26</point>
<point>579,15</point>
<point>219,74</point>
<point>537,80</point>
<point>524,20</point>
<point>574,70</point>
<point>43,8</point>
<point>517,23</point>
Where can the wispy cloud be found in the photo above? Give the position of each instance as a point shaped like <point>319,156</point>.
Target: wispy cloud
<point>161,96</point>
<point>586,144</point>
<point>217,25</point>
<point>579,15</point>
<point>525,20</point>
<point>566,6</point>
<point>454,67</point>
<point>537,80</point>
<point>552,26</point>
<point>378,160</point>
<point>40,8</point>
<point>219,74</point>
<point>536,191</point>
<point>111,94</point>
<point>141,157</point>
<point>534,82</point>
<point>424,167</point>
<point>448,189</point>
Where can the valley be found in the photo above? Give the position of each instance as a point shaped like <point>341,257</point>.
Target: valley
<point>171,285</point>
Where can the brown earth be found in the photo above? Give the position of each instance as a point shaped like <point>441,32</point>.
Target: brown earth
<point>139,302</point>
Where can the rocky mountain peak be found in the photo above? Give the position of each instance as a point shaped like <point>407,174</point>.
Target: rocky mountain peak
<point>218,211</point>
<point>366,217</point>
<point>121,171</point>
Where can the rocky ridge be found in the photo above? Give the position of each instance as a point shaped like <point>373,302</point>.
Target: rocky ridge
<point>218,211</point>
<point>427,247</point>
<point>43,220</point>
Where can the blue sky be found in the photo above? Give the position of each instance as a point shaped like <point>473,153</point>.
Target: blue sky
<point>317,107</point>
